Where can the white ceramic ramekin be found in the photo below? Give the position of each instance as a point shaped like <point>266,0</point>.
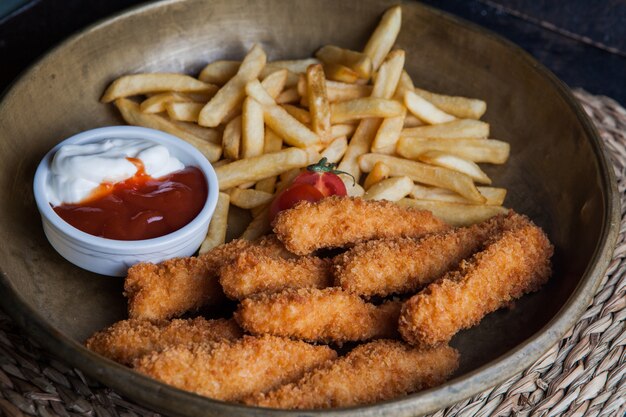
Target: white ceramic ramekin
<point>114,257</point>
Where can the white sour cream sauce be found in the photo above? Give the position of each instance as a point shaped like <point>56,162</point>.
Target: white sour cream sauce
<point>77,170</point>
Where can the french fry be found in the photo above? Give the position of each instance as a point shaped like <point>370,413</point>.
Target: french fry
<point>456,129</point>
<point>379,172</point>
<point>295,66</point>
<point>274,83</point>
<point>461,107</point>
<point>425,174</point>
<point>259,167</point>
<point>353,188</point>
<point>217,228</point>
<point>221,162</point>
<point>391,189</point>
<point>338,91</point>
<point>338,72</point>
<point>133,116</point>
<point>252,129</point>
<point>319,107</point>
<point>219,72</point>
<point>453,213</point>
<point>233,92</point>
<point>494,196</point>
<point>388,134</point>
<point>356,61</point>
<point>273,143</point>
<point>455,163</point>
<point>248,199</point>
<point>156,103</point>
<point>135,84</point>
<point>205,133</point>
<point>405,83</point>
<point>384,36</point>
<point>425,110</point>
<point>184,111</point>
<point>342,130</point>
<point>362,108</point>
<point>231,140</point>
<point>335,150</point>
<point>475,150</point>
<point>360,144</point>
<point>300,114</point>
<point>389,74</point>
<point>259,226</point>
<point>286,178</point>
<point>412,121</point>
<point>288,96</point>
<point>291,130</point>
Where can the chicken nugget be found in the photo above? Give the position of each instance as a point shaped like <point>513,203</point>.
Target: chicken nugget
<point>318,315</point>
<point>127,340</point>
<point>231,370</point>
<point>340,221</point>
<point>403,265</point>
<point>176,286</point>
<point>376,371</point>
<point>254,272</point>
<point>514,263</point>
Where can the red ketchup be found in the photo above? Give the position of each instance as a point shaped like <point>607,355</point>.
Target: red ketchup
<point>140,207</point>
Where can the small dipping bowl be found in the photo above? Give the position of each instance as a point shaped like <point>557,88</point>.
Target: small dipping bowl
<point>114,257</point>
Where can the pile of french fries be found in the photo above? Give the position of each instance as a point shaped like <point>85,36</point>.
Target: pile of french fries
<point>260,123</point>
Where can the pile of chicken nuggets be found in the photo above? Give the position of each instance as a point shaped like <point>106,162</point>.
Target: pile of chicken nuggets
<point>390,283</point>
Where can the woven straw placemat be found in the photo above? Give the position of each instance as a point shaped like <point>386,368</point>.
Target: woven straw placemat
<point>583,375</point>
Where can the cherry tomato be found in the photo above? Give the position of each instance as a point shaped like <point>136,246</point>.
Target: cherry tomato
<point>327,183</point>
<point>289,197</point>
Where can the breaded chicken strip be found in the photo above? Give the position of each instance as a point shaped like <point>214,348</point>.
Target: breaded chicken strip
<point>403,265</point>
<point>326,315</point>
<point>514,263</point>
<point>175,286</point>
<point>127,340</point>
<point>376,371</point>
<point>340,221</point>
<point>253,272</point>
<point>232,370</point>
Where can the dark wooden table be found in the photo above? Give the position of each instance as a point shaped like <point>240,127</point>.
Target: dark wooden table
<point>582,41</point>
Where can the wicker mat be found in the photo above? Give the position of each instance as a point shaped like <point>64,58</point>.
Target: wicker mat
<point>583,375</point>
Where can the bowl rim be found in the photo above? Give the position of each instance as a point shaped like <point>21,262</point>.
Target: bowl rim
<point>162,397</point>
<point>126,246</point>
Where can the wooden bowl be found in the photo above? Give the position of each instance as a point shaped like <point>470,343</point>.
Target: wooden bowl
<point>557,173</point>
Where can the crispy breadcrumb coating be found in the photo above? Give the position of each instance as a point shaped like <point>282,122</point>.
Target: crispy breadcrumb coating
<point>231,370</point>
<point>127,340</point>
<point>176,286</point>
<point>326,315</point>
<point>514,263</point>
<point>254,272</point>
<point>376,371</point>
<point>403,265</point>
<point>340,221</point>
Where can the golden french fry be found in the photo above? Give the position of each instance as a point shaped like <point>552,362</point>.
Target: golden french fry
<point>362,108</point>
<point>252,129</point>
<point>300,114</point>
<point>494,196</point>
<point>379,172</point>
<point>456,129</point>
<point>259,167</point>
<point>290,95</point>
<point>157,102</point>
<point>352,188</point>
<point>217,228</point>
<point>221,162</point>
<point>336,149</point>
<point>360,144</point>
<point>231,140</point>
<point>455,163</point>
<point>462,107</point>
<point>455,214</point>
<point>219,72</point>
<point>259,226</point>
<point>273,143</point>
<point>184,111</point>
<point>338,91</point>
<point>425,110</point>
<point>135,84</point>
<point>405,83</point>
<point>338,72</point>
<point>319,107</point>
<point>412,121</point>
<point>295,66</point>
<point>425,174</point>
<point>291,130</point>
<point>391,189</point>
<point>233,92</point>
<point>205,133</point>
<point>342,130</point>
<point>475,150</point>
<point>133,116</point>
<point>356,61</point>
<point>247,199</point>
<point>275,82</point>
<point>388,75</point>
<point>384,36</point>
<point>388,134</point>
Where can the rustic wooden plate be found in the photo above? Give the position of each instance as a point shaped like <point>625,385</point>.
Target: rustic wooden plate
<point>557,174</point>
